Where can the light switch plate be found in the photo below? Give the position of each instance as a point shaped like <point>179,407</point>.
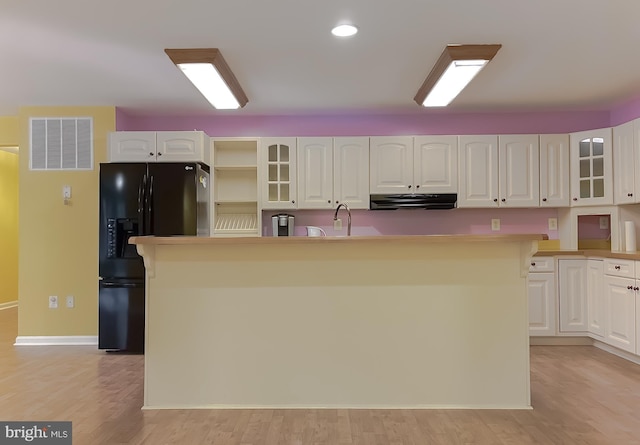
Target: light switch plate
<point>604,222</point>
<point>553,223</point>
<point>495,224</point>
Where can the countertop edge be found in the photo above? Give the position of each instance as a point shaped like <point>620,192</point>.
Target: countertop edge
<point>591,253</point>
<point>427,239</point>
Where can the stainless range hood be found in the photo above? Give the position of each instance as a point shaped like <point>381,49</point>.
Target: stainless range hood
<point>413,201</point>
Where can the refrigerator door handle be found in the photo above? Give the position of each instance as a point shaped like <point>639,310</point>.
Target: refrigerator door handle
<point>108,284</point>
<point>150,207</point>
<point>141,189</point>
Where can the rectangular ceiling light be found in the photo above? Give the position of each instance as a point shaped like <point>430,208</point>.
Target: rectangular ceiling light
<point>208,71</point>
<point>453,71</point>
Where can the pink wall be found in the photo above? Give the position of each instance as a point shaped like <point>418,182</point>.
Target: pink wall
<point>422,222</point>
<point>427,122</point>
<point>625,112</point>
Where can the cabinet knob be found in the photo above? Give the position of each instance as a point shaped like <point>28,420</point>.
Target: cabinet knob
<point>575,199</point>
<point>337,202</point>
<point>533,264</point>
<point>629,194</point>
<point>544,199</point>
<point>495,199</point>
<point>616,267</point>
<point>329,201</point>
<point>293,201</point>
<point>150,153</point>
<point>503,200</point>
<point>418,186</point>
<point>159,154</point>
<point>636,288</point>
<point>630,287</point>
<point>409,186</point>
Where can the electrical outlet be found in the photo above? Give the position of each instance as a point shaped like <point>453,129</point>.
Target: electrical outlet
<point>495,224</point>
<point>53,302</point>
<point>604,222</point>
<point>337,224</point>
<point>66,192</point>
<point>553,223</point>
<point>70,301</point>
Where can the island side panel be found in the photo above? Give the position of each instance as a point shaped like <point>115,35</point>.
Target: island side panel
<point>395,325</point>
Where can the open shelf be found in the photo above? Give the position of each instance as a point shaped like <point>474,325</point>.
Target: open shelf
<point>235,153</point>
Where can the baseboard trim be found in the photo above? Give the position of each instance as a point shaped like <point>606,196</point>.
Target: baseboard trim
<point>55,340</point>
<point>8,305</point>
<point>615,351</point>
<point>560,341</point>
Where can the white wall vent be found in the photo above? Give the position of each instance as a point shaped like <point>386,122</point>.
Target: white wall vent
<point>61,143</point>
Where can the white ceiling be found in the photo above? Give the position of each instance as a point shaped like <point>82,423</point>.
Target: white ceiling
<point>556,54</point>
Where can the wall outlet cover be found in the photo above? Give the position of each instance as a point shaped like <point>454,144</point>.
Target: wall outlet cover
<point>53,302</point>
<point>553,223</point>
<point>337,224</point>
<point>495,224</point>
<point>70,301</point>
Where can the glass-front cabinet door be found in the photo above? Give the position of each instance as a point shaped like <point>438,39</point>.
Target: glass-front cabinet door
<point>591,168</point>
<point>279,189</point>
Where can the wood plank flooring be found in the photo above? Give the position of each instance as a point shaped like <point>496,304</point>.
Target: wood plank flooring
<point>580,394</point>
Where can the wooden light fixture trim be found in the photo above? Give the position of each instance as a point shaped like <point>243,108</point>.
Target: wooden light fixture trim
<point>214,57</point>
<point>450,54</point>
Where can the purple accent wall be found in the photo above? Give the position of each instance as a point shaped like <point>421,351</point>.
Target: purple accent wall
<point>625,112</point>
<point>370,125</point>
<point>421,222</point>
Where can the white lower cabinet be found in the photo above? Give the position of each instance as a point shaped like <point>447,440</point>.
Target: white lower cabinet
<point>572,294</point>
<point>542,297</point>
<point>620,299</point>
<point>621,286</point>
<point>595,298</point>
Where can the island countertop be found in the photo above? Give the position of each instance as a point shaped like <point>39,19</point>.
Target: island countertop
<point>436,239</point>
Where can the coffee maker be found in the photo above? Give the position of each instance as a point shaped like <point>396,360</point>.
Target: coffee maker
<point>282,224</point>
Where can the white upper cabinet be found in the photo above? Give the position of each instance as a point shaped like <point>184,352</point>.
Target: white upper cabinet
<point>424,164</point>
<point>624,164</point>
<point>391,165</point>
<point>132,146</point>
<point>518,167</point>
<point>161,146</point>
<point>435,164</point>
<point>591,168</point>
<point>554,170</point>
<point>278,170</point>
<point>478,167</point>
<point>333,171</point>
<point>315,173</point>
<point>351,172</point>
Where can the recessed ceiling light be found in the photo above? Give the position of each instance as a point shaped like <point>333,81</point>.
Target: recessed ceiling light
<point>344,30</point>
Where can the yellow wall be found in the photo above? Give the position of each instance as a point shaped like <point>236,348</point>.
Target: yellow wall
<point>8,226</point>
<point>9,134</point>
<point>58,250</point>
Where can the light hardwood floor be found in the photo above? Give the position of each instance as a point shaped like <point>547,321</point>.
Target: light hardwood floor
<point>580,395</point>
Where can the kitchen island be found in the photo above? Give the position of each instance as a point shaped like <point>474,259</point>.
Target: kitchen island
<point>330,322</point>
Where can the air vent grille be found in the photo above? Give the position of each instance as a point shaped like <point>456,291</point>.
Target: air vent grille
<point>61,143</point>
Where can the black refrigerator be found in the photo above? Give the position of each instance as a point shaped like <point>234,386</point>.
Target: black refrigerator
<point>161,199</point>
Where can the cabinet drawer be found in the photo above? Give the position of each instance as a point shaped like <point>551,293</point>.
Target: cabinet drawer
<point>542,264</point>
<point>619,268</point>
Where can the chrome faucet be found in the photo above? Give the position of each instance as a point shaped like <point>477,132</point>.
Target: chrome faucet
<point>335,217</point>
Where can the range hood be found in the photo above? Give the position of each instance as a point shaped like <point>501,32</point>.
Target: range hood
<point>413,201</point>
